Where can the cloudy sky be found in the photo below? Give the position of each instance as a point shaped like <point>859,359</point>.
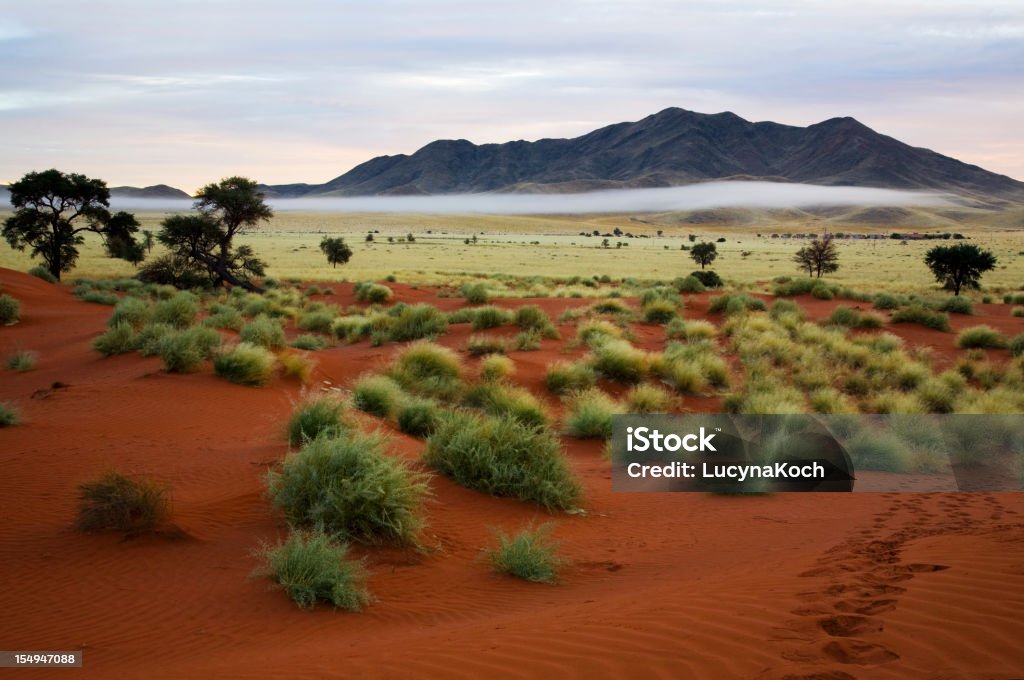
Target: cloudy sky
<point>301,91</point>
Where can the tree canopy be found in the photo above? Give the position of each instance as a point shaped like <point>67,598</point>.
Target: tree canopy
<point>959,266</point>
<point>818,257</point>
<point>336,250</point>
<point>53,209</point>
<point>704,253</point>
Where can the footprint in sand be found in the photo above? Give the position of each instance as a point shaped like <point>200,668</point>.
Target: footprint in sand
<point>858,652</point>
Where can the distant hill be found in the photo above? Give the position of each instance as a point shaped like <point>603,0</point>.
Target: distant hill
<point>669,148</point>
<point>155,191</point>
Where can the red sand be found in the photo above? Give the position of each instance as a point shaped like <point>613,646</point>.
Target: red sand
<point>661,585</point>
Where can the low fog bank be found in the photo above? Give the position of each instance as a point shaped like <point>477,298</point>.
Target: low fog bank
<point>691,197</point>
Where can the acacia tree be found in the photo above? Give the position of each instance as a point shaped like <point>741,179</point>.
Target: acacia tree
<point>959,266</point>
<point>227,209</point>
<point>818,257</point>
<point>336,250</point>
<point>704,253</point>
<point>53,209</point>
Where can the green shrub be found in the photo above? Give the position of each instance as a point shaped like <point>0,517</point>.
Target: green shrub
<point>264,332</point>
<point>496,367</point>
<point>318,321</point>
<point>609,307</point>
<point>226,317</point>
<point>97,297</point>
<point>647,398</point>
<point>845,316</point>
<point>502,457</point>
<point>787,287</point>
<point>620,361</point>
<point>1016,345</point>
<point>1017,312</point>
<point>871,320</point>
<point>690,331</point>
<point>596,331</point>
<point>428,370</point>
<point>590,414</point>
<point>955,305</point>
<point>416,322</point>
<point>1014,298</point>
<point>312,566</point>
<point>316,417</point>
<point>529,555</point>
<point>878,450</point>
<point>149,337</point>
<point>982,337</point>
<point>116,340</point>
<point>476,293</point>
<point>10,310</point>
<point>527,341</point>
<point>782,308</point>
<point>418,417</point>
<point>180,311</point>
<point>690,284</point>
<point>491,317</point>
<point>184,351</point>
<point>377,395</point>
<point>43,273</point>
<point>22,361</point>
<point>479,345</point>
<point>822,291</point>
<point>565,376</point>
<point>373,293</point>
<point>660,293</point>
<point>245,364</point>
<point>919,314</point>
<point>347,486</point>
<point>309,342</point>
<point>659,311</point>
<point>8,415</point>
<point>533,318</point>
<point>132,311</point>
<point>119,503</point>
<point>735,303</point>
<point>498,399</point>
<point>708,278</point>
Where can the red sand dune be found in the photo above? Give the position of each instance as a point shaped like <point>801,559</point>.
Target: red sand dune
<point>661,585</point>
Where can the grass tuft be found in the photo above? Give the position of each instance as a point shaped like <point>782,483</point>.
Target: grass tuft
<point>377,395</point>
<point>312,566</point>
<point>245,364</point>
<point>589,414</point>
<point>982,337</point>
<point>529,555</point>
<point>22,361</point>
<point>263,331</point>
<point>118,503</point>
<point>9,415</point>
<point>10,310</point>
<point>316,417</point>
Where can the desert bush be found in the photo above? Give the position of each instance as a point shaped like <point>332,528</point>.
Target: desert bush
<point>428,370</point>
<point>845,316</point>
<point>1014,298</point>
<point>649,295</point>
<point>781,308</point>
<point>312,566</point>
<point>1017,312</point>
<point>10,310</point>
<point>373,293</point>
<point>604,307</point>
<point>936,395</point>
<point>180,311</point>
<point>491,317</point>
<point>117,339</point>
<point>315,417</point>
<point>321,321</point>
<point>132,311</point>
<point>479,345</point>
<point>418,417</point>
<point>97,297</point>
<point>689,284</point>
<point>348,486</point>
<point>533,318</point>
<point>529,555</point>
<point>647,398</point>
<point>245,364</point>
<point>8,415</point>
<point>1016,345</point>
<point>822,291</point>
<point>22,361</point>
<point>735,303</point>
<point>787,287</point>
<point>119,503</point>
<point>296,365</point>
<point>183,351</point>
<point>871,320</point>
<point>690,331</point>
<point>873,449</point>
<point>565,376</point>
<point>476,293</point>
<point>830,400</point>
<point>919,314</point>
<point>498,399</point>
<point>527,341</point>
<point>263,332</point>
<point>589,414</point>
<point>503,457</point>
<point>377,395</point>
<point>496,367</point>
<point>149,337</point>
<point>955,305</point>
<point>618,360</point>
<point>708,278</point>
<point>983,337</point>
<point>43,273</point>
<point>225,317</point>
<point>416,322</point>
<point>659,311</point>
<point>596,331</point>
<point>309,342</point>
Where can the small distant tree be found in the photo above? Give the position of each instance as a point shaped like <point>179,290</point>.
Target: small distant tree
<point>606,243</point>
<point>53,209</point>
<point>704,253</point>
<point>369,237</point>
<point>692,237</point>
<point>336,250</point>
<point>818,257</point>
<point>959,266</point>
<point>147,240</point>
<point>409,238</point>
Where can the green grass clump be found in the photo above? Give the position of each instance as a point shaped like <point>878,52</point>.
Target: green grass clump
<point>845,316</point>
<point>245,364</point>
<point>878,450</point>
<point>649,295</point>
<point>418,417</point>
<point>428,370</point>
<point>886,301</point>
<point>118,503</point>
<point>132,311</point>
<point>570,376</point>
<point>373,293</point>
<point>527,341</point>
<point>180,311</point>
<point>97,297</point>
<point>8,415</point>
<point>590,414</point>
<point>22,361</point>
<point>496,367</point>
<point>596,331</point>
<point>264,332</point>
<point>659,311</point>
<point>689,284</point>
<point>1016,345</point>
<point>320,321</point>
<point>309,342</point>
<point>312,566</point>
<point>117,339</point>
<point>502,456</point>
<point>349,487</point>
<point>479,345</point>
<point>377,395</point>
<point>498,399</point>
<point>735,303</point>
<point>491,317</point>
<point>415,322</point>
<point>923,316</point>
<point>184,351</point>
<point>822,291</point>
<point>41,272</point>
<point>647,398</point>
<point>316,417</point>
<point>529,555</point>
<point>982,337</point>
<point>476,293</point>
<point>533,318</point>
<point>149,337</point>
<point>618,360</point>
<point>10,310</point>
<point>225,317</point>
<point>1014,298</point>
<point>1017,312</point>
<point>296,365</point>
<point>690,331</point>
<point>781,308</point>
<point>790,287</point>
<point>955,305</point>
